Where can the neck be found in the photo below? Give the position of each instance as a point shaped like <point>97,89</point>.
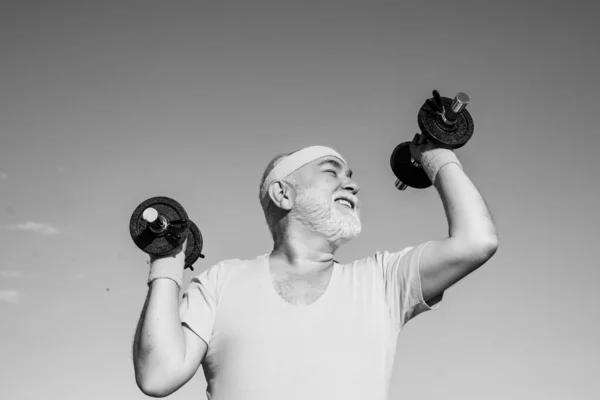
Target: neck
<point>303,252</point>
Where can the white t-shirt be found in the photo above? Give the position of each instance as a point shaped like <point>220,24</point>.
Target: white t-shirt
<point>342,346</point>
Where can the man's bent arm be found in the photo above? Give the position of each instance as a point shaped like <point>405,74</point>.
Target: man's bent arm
<point>166,355</point>
<point>472,240</point>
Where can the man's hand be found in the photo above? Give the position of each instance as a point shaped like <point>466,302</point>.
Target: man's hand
<point>177,252</point>
<point>419,145</point>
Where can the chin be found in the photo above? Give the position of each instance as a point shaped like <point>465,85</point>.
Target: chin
<point>347,229</point>
<point>338,242</point>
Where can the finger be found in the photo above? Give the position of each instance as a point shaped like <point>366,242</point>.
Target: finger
<point>181,248</point>
<point>184,244</point>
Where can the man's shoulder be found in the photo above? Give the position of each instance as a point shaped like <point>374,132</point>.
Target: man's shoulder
<point>229,266</point>
<point>222,274</point>
<point>375,260</point>
<point>238,264</point>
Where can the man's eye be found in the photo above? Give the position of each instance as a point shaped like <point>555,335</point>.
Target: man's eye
<point>332,172</point>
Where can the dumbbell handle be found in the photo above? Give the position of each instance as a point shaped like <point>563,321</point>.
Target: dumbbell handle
<point>460,102</point>
<point>401,185</point>
<point>156,222</point>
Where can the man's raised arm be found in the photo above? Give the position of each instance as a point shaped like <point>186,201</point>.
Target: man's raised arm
<point>166,355</point>
<point>472,239</point>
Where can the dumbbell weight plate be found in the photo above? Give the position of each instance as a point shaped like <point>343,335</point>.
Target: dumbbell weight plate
<point>405,171</point>
<point>151,242</point>
<point>194,244</point>
<point>443,135</point>
<point>161,243</point>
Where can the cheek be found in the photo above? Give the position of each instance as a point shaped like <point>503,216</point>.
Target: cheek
<point>327,186</point>
<point>317,201</point>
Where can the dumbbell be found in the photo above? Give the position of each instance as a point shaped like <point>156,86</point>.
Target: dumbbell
<point>443,121</point>
<point>160,224</point>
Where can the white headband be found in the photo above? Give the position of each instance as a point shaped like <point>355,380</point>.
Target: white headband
<point>293,162</point>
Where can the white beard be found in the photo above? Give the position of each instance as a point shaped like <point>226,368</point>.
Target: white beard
<point>321,216</point>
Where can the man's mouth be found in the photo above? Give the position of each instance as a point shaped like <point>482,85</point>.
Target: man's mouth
<point>345,202</point>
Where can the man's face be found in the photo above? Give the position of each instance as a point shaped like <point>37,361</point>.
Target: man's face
<point>326,200</point>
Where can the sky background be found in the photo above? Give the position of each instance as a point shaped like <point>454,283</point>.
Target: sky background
<point>105,104</point>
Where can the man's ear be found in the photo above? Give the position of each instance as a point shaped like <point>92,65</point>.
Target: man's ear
<point>282,195</point>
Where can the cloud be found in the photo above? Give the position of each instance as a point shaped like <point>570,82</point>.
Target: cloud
<point>37,227</point>
<point>3,176</point>
<point>10,296</point>
<point>11,273</point>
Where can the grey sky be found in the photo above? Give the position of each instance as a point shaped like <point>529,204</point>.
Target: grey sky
<point>108,103</point>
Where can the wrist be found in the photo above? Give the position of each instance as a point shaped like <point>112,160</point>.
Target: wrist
<point>168,268</point>
<point>432,161</point>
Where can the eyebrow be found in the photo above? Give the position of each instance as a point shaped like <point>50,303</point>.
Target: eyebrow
<point>336,164</point>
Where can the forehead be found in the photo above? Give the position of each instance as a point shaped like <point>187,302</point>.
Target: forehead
<point>327,161</point>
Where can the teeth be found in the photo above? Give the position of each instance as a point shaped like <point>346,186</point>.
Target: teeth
<point>345,202</point>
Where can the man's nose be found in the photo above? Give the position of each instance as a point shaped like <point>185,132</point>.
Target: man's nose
<point>350,185</point>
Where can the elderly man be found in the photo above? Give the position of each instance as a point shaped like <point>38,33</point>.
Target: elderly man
<point>295,323</point>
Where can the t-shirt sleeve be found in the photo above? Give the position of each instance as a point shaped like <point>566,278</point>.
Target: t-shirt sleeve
<point>198,305</point>
<point>402,284</point>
